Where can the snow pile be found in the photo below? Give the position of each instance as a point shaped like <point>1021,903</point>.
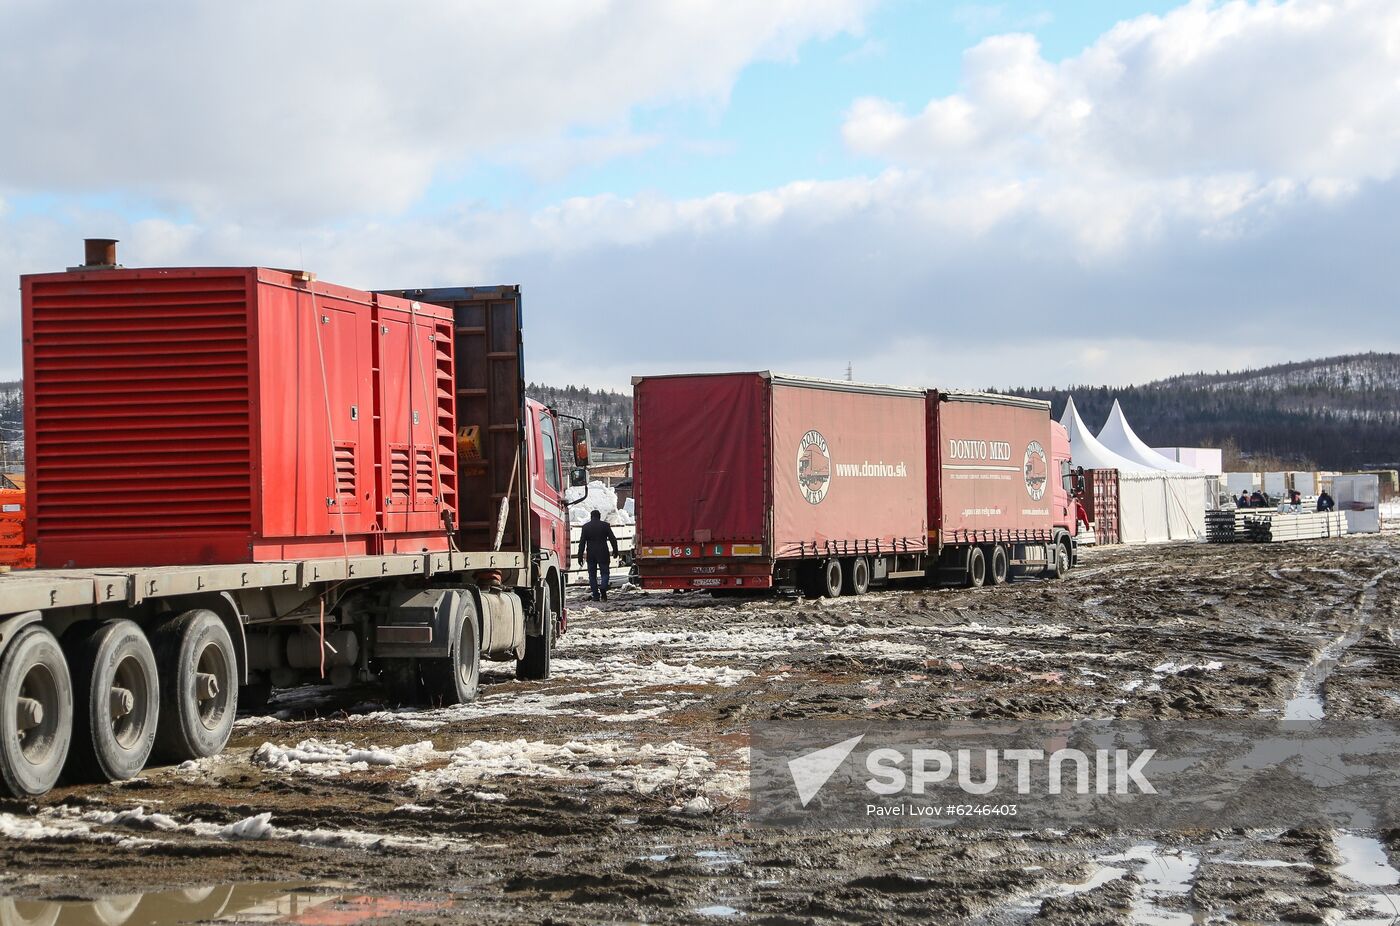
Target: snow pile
<point>652,768</point>
<point>330,759</point>
<point>597,497</point>
<point>69,824</point>
<point>1176,668</point>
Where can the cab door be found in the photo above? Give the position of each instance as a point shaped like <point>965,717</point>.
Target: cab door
<point>549,521</point>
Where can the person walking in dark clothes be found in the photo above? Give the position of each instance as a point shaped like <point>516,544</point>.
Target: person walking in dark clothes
<point>593,549</point>
<point>1325,502</point>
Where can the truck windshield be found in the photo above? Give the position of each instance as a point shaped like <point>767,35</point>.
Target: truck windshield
<point>550,451</point>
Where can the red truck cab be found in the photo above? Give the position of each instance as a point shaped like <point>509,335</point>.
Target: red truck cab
<point>549,514</point>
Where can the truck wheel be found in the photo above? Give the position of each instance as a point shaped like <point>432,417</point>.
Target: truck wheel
<point>858,581</point>
<point>998,563</point>
<point>455,680</point>
<point>199,694</point>
<point>831,579</point>
<point>399,676</point>
<point>976,568</point>
<point>535,666</point>
<point>1059,565</point>
<point>36,713</point>
<point>116,701</point>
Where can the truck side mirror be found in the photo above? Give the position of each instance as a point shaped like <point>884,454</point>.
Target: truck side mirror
<point>582,449</point>
<point>578,476</point>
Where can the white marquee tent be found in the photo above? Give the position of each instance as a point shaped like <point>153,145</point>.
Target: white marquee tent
<point>1117,435</point>
<point>1155,504</point>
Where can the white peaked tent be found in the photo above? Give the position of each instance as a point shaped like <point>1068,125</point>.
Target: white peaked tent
<point>1154,505</point>
<point>1087,451</point>
<point>1118,436</point>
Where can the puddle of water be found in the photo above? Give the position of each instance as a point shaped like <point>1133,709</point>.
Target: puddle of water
<point>717,858</point>
<point>718,909</point>
<point>1387,906</point>
<point>306,904</point>
<point>1364,860</point>
<point>1306,706</point>
<point>1163,875</point>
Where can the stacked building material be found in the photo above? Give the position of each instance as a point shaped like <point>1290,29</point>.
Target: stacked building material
<point>1255,525</point>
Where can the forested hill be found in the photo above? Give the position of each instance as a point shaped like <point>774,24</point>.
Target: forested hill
<point>1336,413</point>
<point>608,414</point>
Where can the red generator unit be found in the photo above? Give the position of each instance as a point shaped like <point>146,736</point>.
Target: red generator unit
<point>228,415</point>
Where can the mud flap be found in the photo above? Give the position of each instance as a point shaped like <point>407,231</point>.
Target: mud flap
<point>421,623</point>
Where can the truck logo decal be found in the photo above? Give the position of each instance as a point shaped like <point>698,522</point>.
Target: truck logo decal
<point>1037,470</point>
<point>813,467</point>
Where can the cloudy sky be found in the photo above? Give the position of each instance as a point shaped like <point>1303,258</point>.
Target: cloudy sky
<point>936,193</point>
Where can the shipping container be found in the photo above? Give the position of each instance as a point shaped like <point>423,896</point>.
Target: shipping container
<point>226,415</point>
<point>744,479</point>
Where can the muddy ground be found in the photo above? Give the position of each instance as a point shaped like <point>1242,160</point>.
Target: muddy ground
<point>618,790</point>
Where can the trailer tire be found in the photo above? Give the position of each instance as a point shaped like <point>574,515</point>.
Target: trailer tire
<point>998,565</point>
<point>108,659</point>
<point>455,680</point>
<point>858,576</point>
<point>534,666</point>
<point>976,575</point>
<point>33,668</point>
<point>199,697</point>
<point>831,578</point>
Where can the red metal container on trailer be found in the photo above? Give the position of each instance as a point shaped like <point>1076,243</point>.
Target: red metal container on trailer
<point>210,415</point>
<point>737,472</point>
<point>992,468</point>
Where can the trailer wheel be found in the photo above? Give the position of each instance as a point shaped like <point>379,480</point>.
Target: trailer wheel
<point>858,579</point>
<point>199,697</point>
<point>36,713</point>
<point>116,701</point>
<point>455,680</point>
<point>976,574</point>
<point>998,571</point>
<point>831,578</point>
<point>535,666</point>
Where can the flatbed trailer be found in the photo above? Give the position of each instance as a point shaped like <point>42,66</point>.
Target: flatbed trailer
<point>398,499</point>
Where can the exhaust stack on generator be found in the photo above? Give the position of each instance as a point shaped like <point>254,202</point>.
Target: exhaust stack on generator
<point>99,254</point>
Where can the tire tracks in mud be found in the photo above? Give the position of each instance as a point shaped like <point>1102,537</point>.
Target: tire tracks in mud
<point>1308,701</point>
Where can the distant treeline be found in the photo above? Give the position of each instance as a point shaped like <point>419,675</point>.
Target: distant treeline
<point>1339,413</point>
<point>608,414</point>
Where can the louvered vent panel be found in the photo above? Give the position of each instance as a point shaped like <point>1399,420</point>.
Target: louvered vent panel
<point>345,469</point>
<point>141,405</point>
<point>400,474</point>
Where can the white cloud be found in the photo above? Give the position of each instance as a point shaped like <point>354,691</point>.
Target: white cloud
<point>987,283</point>
<point>333,107</point>
<point>1141,209</point>
<point>1303,89</point>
